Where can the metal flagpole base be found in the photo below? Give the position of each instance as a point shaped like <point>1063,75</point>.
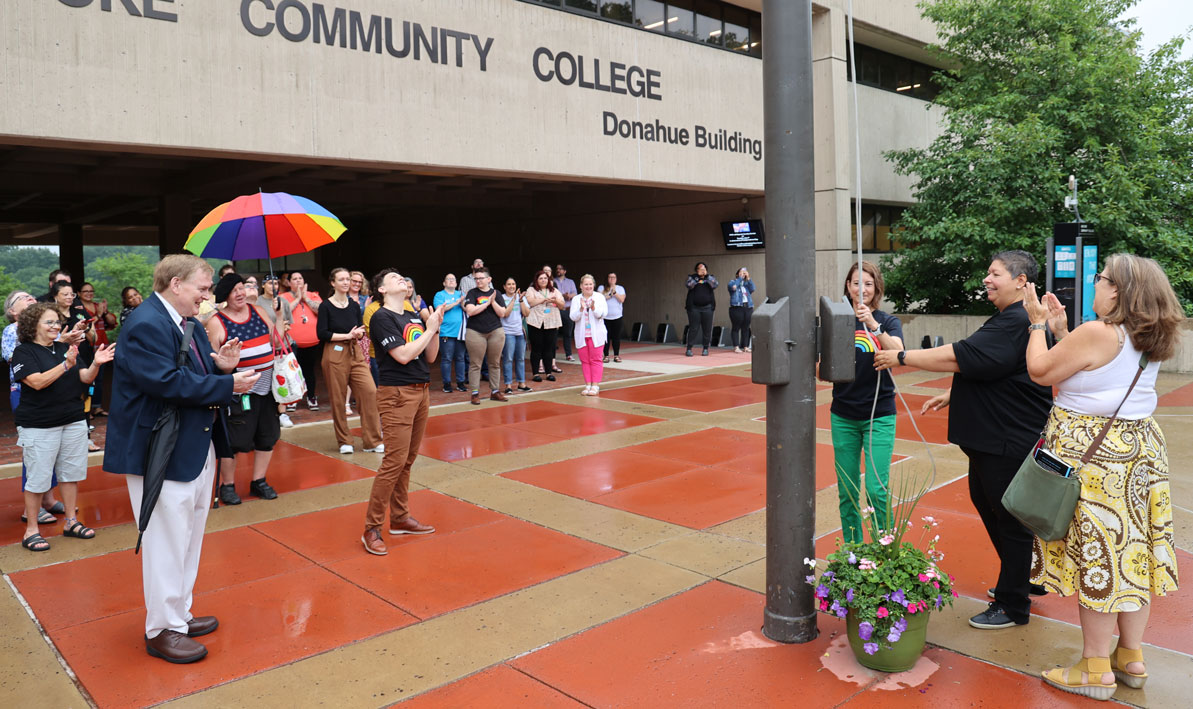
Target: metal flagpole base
<point>785,629</point>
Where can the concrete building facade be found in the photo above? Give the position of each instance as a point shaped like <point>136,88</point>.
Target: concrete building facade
<point>524,132</point>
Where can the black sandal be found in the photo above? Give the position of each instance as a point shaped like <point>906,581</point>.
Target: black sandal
<point>37,541</point>
<point>78,531</point>
<point>43,517</point>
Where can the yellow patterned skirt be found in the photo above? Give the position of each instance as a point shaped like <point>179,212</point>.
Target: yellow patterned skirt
<point>1119,550</point>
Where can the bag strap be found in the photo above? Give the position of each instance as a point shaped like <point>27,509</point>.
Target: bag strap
<point>1093,447</point>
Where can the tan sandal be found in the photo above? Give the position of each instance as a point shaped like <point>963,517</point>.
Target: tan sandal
<point>1075,680</point>
<point>1120,658</point>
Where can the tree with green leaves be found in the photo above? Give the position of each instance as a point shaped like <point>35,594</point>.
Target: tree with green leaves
<point>111,274</point>
<point>1039,90</point>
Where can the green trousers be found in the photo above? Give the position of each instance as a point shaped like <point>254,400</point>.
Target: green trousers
<point>850,440</point>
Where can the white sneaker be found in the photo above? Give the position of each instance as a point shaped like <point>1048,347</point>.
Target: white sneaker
<point>379,449</point>
<point>285,421</point>
<point>346,449</point>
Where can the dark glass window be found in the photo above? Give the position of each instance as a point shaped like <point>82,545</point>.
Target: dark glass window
<point>737,29</point>
<point>648,14</point>
<point>708,22</point>
<point>681,18</point>
<point>621,11</point>
<point>582,5</point>
<point>890,72</point>
<point>878,236</point>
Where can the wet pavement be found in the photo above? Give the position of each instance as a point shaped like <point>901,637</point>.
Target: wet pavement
<point>599,552</point>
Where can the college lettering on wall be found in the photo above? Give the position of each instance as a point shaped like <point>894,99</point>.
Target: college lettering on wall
<point>301,21</point>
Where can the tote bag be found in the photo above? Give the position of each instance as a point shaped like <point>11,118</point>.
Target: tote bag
<point>288,385</point>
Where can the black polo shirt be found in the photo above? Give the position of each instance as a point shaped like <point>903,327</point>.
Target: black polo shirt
<point>995,407</point>
<point>389,330</point>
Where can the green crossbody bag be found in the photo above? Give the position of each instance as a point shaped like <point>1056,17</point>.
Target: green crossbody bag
<point>1043,495</point>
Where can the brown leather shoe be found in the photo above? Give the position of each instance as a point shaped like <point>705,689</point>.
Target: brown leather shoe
<point>201,625</point>
<point>498,396</point>
<point>373,543</point>
<point>476,398</point>
<point>410,526</point>
<point>175,647</point>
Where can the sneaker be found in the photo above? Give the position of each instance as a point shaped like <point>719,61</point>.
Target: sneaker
<point>379,449</point>
<point>313,403</point>
<point>550,377</point>
<point>993,618</point>
<point>346,449</point>
<point>285,421</point>
<point>1036,590</point>
<point>523,388</point>
<point>509,390</point>
<point>568,358</point>
<point>461,387</point>
<point>228,495</point>
<point>291,408</point>
<point>447,388</point>
<point>737,350</point>
<point>260,488</point>
<point>704,353</point>
<point>688,353</point>
<point>537,377</point>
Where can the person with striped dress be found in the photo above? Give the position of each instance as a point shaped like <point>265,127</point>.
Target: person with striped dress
<point>253,426</point>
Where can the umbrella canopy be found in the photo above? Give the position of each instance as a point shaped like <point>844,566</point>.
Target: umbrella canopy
<point>161,446</point>
<point>263,225</point>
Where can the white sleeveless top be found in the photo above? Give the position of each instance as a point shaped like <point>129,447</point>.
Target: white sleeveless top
<point>1097,392</point>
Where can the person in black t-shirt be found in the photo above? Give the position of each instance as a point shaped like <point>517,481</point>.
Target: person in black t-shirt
<point>483,334</point>
<point>405,348</point>
<point>997,413</point>
<point>871,393</point>
<point>51,422</point>
<point>700,304</point>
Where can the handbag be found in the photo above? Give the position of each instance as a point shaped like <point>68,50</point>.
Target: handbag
<point>1046,501</point>
<point>288,384</point>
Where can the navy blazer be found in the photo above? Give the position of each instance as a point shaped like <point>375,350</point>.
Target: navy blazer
<point>147,376</point>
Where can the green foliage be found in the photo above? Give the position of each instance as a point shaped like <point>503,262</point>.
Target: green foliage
<point>8,283</point>
<point>30,268</point>
<point>1042,89</point>
<point>111,274</point>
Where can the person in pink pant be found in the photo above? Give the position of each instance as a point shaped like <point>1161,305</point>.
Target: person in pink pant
<point>588,312</point>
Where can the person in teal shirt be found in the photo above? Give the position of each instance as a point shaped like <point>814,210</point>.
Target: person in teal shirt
<point>451,344</point>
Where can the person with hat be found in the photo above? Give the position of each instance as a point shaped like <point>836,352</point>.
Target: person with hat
<point>253,426</point>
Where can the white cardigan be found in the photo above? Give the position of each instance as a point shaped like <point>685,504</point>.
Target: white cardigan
<point>598,312</point>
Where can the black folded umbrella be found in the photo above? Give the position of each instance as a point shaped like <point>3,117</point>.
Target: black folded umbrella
<point>161,446</point>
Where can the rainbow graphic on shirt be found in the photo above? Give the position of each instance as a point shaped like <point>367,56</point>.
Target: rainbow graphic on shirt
<point>481,300</point>
<point>866,341</point>
<point>412,331</point>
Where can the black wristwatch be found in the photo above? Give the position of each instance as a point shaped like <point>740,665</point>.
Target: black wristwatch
<point>902,354</point>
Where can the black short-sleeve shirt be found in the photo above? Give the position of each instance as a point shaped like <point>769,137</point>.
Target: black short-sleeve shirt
<point>853,400</point>
<point>389,330</point>
<point>487,320</point>
<point>58,404</point>
<point>995,407</point>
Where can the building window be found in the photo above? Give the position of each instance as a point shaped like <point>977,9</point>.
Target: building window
<point>709,22</point>
<point>889,72</point>
<point>877,233</point>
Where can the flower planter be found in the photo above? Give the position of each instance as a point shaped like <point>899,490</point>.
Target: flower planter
<point>902,654</point>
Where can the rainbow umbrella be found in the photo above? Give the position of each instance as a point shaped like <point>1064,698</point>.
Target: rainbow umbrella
<point>263,225</point>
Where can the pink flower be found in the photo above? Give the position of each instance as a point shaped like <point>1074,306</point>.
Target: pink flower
<point>912,608</point>
<point>936,584</point>
<point>883,612</point>
<point>923,578</point>
<point>955,594</point>
<point>886,540</point>
<point>866,565</point>
<point>823,605</point>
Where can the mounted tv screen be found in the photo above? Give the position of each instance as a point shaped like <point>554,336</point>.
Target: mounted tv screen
<point>745,234</point>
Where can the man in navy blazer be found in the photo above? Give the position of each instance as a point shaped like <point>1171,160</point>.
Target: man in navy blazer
<point>147,377</point>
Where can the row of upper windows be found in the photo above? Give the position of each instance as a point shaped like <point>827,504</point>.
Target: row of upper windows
<point>716,24</point>
<point>878,235</point>
<point>890,72</point>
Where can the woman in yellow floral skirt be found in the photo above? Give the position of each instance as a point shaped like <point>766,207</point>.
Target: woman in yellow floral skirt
<point>1119,550</point>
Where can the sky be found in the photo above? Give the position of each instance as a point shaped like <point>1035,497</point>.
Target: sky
<point>1161,20</point>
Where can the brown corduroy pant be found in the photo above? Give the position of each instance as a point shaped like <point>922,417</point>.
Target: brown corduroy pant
<point>343,367</point>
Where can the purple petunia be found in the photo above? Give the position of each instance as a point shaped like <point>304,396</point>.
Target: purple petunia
<point>852,558</point>
<point>849,595</point>
<point>893,636</point>
<point>865,630</point>
<point>835,607</point>
<point>901,625</point>
<point>870,648</point>
<point>810,580</point>
<point>841,612</point>
<point>899,597</point>
<point>822,591</point>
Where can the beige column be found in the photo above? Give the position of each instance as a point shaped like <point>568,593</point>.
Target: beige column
<point>834,148</point>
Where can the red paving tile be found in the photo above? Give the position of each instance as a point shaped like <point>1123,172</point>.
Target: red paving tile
<point>698,498</point>
<point>1182,396</point>
<point>699,648</point>
<point>709,392</point>
<point>263,624</point>
<point>500,687</point>
<point>441,573</point>
<point>708,447</point>
<point>598,474</point>
<point>940,383</point>
<point>113,581</point>
<point>333,535</point>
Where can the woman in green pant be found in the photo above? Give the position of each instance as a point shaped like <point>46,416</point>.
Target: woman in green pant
<point>853,402</point>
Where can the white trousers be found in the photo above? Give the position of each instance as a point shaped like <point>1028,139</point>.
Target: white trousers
<point>171,546</point>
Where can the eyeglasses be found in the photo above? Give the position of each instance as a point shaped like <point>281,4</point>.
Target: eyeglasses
<point>51,323</point>
<point>1099,278</point>
<point>85,292</point>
